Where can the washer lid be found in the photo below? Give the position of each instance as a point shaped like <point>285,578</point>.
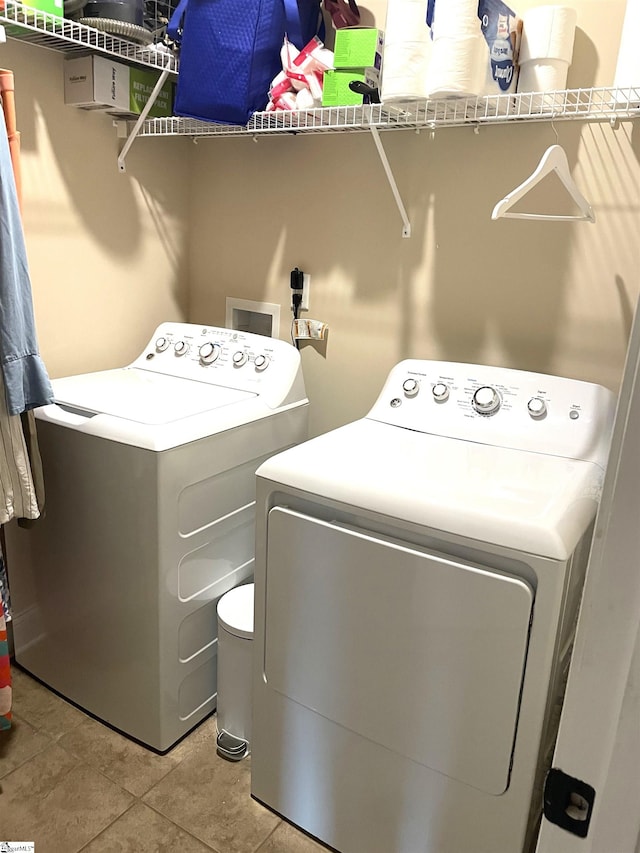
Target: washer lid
<point>517,499</point>
<point>142,396</point>
<point>235,611</point>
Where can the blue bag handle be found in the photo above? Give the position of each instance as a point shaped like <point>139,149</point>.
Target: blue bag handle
<point>174,27</point>
<point>291,14</point>
<point>292,20</point>
<point>294,25</point>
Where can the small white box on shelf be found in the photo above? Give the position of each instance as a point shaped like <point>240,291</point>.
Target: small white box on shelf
<point>99,83</point>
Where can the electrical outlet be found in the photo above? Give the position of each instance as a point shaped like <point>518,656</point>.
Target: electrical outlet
<point>306,282</point>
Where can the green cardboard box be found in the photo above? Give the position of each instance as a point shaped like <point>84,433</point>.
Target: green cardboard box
<point>52,7</point>
<point>98,83</point>
<point>335,85</point>
<point>358,47</point>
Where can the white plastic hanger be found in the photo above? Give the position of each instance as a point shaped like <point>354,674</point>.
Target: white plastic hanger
<point>553,159</point>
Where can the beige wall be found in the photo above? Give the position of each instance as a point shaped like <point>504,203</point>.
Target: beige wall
<point>109,257</point>
<point>107,252</point>
<point>555,297</point>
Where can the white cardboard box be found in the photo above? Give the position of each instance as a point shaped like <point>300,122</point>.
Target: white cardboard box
<point>99,83</point>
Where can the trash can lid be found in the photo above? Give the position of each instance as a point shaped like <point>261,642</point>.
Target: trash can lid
<point>235,611</point>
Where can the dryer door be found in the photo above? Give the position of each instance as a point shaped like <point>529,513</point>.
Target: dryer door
<point>422,654</point>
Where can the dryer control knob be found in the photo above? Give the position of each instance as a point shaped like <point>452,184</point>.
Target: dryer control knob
<point>208,352</point>
<point>537,407</point>
<point>180,347</point>
<point>239,358</point>
<point>440,392</point>
<point>162,344</point>
<point>486,400</point>
<point>410,387</point>
<point>261,362</point>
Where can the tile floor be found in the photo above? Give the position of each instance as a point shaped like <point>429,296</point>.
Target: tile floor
<point>70,783</point>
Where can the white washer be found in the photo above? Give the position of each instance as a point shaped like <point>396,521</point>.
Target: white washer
<point>150,506</point>
<point>417,578</point>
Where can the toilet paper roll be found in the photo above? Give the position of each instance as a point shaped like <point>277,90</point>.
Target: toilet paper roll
<point>544,75</point>
<point>628,65</point>
<point>407,50</point>
<point>456,68</point>
<point>548,32</point>
<point>455,19</point>
<point>406,22</point>
<point>404,75</point>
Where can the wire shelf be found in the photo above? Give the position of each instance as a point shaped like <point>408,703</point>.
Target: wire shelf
<point>72,37</point>
<point>600,104</point>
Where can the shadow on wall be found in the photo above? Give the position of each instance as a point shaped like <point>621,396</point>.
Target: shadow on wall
<point>635,140</point>
<point>503,279</point>
<point>85,149</point>
<point>500,279</point>
<point>584,67</point>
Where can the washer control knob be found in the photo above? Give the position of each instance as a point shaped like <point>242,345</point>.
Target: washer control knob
<point>486,400</point>
<point>537,407</point>
<point>239,358</point>
<point>162,344</point>
<point>410,387</point>
<point>261,361</point>
<point>208,352</point>
<point>180,347</point>
<point>440,392</point>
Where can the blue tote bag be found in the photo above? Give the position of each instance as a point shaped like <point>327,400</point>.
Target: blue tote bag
<point>230,53</point>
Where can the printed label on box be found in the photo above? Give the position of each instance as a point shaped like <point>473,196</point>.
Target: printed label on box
<point>336,91</point>
<point>141,85</point>
<point>358,47</point>
<point>94,83</point>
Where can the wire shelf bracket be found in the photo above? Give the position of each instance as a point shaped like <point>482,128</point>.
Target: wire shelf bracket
<point>406,225</point>
<point>141,119</point>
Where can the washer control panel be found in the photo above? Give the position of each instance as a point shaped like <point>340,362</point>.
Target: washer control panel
<point>219,356</point>
<point>499,406</point>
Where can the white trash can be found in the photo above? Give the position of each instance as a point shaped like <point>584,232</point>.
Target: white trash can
<point>235,664</point>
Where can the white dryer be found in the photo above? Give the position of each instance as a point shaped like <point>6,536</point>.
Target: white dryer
<point>150,499</point>
<point>418,574</point>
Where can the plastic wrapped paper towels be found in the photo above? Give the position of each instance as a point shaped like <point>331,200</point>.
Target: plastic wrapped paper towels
<point>449,48</point>
<point>546,50</point>
<point>474,48</point>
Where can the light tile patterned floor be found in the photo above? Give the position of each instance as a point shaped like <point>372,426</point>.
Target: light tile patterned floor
<point>70,783</point>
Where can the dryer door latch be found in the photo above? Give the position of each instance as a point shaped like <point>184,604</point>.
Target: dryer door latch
<point>568,802</point>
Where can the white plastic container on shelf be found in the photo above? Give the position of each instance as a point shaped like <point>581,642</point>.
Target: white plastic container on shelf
<point>546,50</point>
<point>235,663</point>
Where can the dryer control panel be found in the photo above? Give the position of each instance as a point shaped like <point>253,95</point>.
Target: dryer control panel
<point>499,406</point>
<point>242,360</point>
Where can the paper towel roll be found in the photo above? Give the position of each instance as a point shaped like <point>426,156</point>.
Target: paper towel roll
<point>628,65</point>
<point>404,76</point>
<point>548,32</point>
<point>455,19</point>
<point>406,22</point>
<point>456,68</point>
<point>407,51</point>
<point>543,75</point>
